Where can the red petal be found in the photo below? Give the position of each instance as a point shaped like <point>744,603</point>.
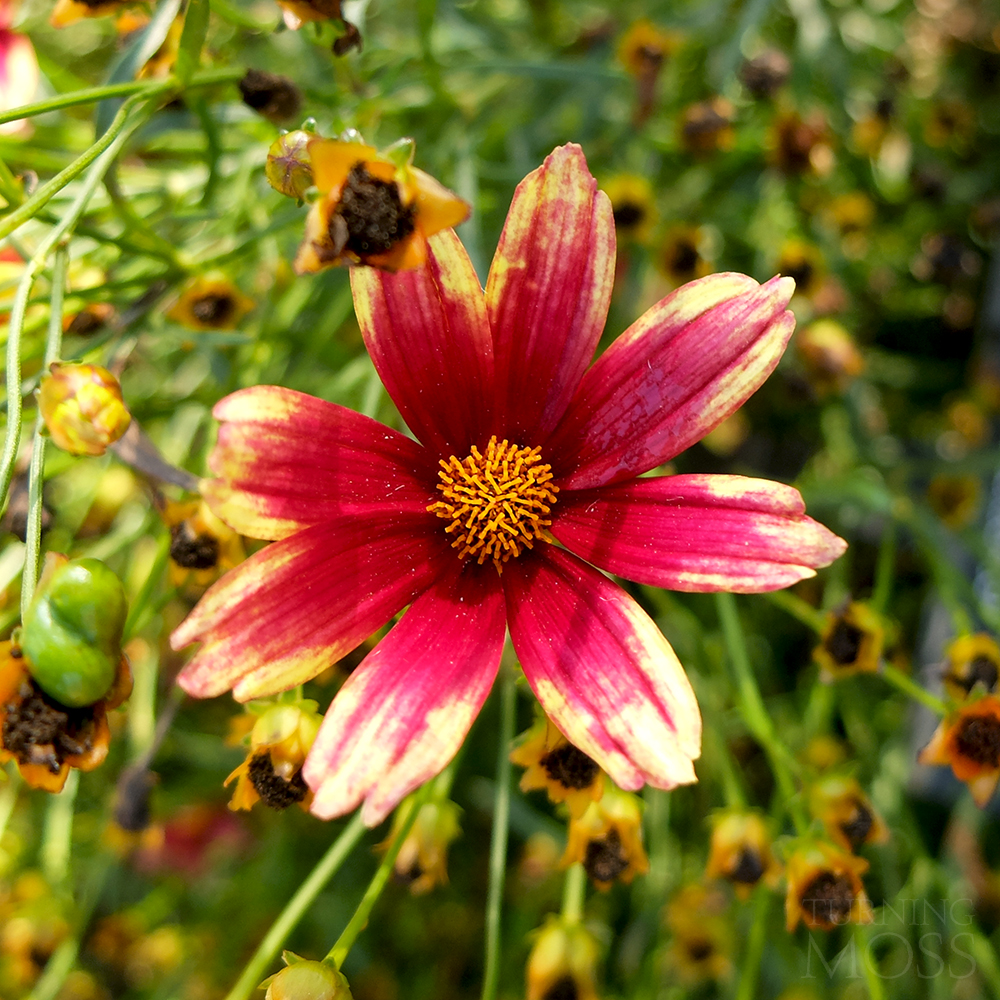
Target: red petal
<point>287,460</point>
<point>697,533</point>
<point>548,292</point>
<point>676,373</point>
<point>299,605</point>
<point>403,714</point>
<point>601,669</point>
<point>428,336</point>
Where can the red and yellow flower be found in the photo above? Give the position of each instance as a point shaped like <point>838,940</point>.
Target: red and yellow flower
<point>18,67</point>
<point>374,208</point>
<point>969,741</point>
<point>824,887</point>
<point>516,444</point>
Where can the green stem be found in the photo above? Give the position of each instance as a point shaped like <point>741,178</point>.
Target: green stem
<point>885,569</point>
<point>296,908</point>
<point>783,764</point>
<point>873,978</point>
<point>498,843</point>
<point>57,835</point>
<point>356,924</point>
<point>574,893</point>
<point>732,789</point>
<point>912,689</point>
<point>793,604</point>
<point>19,307</point>
<point>750,966</point>
<point>94,94</point>
<point>137,226</point>
<point>53,344</point>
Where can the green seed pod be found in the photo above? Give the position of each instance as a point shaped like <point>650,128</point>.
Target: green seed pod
<point>72,633</point>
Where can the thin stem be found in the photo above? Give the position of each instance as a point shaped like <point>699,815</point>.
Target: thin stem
<point>53,344</point>
<point>296,908</point>
<point>803,611</point>
<point>912,689</point>
<point>873,978</point>
<point>574,893</point>
<point>783,764</point>
<point>57,835</point>
<point>750,966</point>
<point>19,307</point>
<point>731,787</point>
<point>356,924</point>
<point>498,843</point>
<point>885,569</point>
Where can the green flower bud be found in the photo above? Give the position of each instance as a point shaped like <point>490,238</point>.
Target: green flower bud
<point>72,633</point>
<point>288,168</point>
<point>305,980</point>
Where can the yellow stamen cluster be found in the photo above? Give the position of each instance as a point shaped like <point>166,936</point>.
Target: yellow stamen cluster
<point>497,501</point>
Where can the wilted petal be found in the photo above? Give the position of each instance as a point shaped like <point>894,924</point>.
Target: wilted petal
<point>601,669</point>
<point>677,372</point>
<point>287,460</point>
<point>405,711</point>
<point>428,336</point>
<point>697,533</point>
<point>297,606</point>
<point>548,292</point>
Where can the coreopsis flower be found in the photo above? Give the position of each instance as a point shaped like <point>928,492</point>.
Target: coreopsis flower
<point>831,358</point>
<point>422,862</point>
<point>632,204</point>
<point>82,407</point>
<point>851,642</point>
<point>563,962</point>
<point>707,127</point>
<point>740,851</point>
<point>765,74</point>
<point>556,766</point>
<point>306,980</point>
<point>607,839</point>
<point>701,938</point>
<point>273,96</point>
<point>18,67</point>
<point>210,302</point>
<point>374,208</point>
<point>643,50</point>
<point>161,63</point>
<point>968,740</point>
<point>516,443</point>
<point>824,887</point>
<point>280,738</point>
<point>288,168</point>
<point>681,256</point>
<point>969,661</point>
<point>202,547</point>
<point>846,813</point>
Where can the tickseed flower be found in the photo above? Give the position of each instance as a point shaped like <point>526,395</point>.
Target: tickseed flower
<point>701,938</point>
<point>969,741</point>
<point>273,96</point>
<point>831,358</point>
<point>643,50</point>
<point>804,263</point>
<point>202,547</point>
<point>279,741</point>
<point>632,204</point>
<point>846,813</point>
<point>18,67</point>
<point>824,887</point>
<point>517,443</point>
<point>210,302</point>
<point>558,767</point>
<point>741,852</point>
<point>422,862</point>
<point>971,660</point>
<point>306,980</point>
<point>91,319</point>
<point>82,407</point>
<point>607,839</point>
<point>562,962</point>
<point>375,208</point>
<point>851,642</point>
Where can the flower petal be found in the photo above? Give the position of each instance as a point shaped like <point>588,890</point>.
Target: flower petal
<point>601,669</point>
<point>548,292</point>
<point>287,460</point>
<point>697,533</point>
<point>677,372</point>
<point>403,714</point>
<point>428,336</point>
<point>297,606</point>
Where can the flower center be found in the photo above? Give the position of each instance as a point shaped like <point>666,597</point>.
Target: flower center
<point>497,500</point>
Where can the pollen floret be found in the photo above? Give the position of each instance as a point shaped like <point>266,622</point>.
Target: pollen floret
<point>497,502</point>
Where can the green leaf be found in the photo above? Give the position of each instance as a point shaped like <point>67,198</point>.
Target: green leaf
<point>192,39</point>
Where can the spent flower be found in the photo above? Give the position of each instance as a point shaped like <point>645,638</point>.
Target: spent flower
<point>516,443</point>
<point>422,861</point>
<point>846,813</point>
<point>562,962</point>
<point>824,887</point>
<point>968,740</point>
<point>740,851</point>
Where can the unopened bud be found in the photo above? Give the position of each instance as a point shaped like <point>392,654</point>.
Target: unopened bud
<point>307,981</point>
<point>289,168</point>
<point>82,407</point>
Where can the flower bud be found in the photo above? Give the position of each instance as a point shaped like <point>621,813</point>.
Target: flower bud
<point>289,168</point>
<point>72,632</point>
<point>562,962</point>
<point>304,980</point>
<point>82,408</point>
